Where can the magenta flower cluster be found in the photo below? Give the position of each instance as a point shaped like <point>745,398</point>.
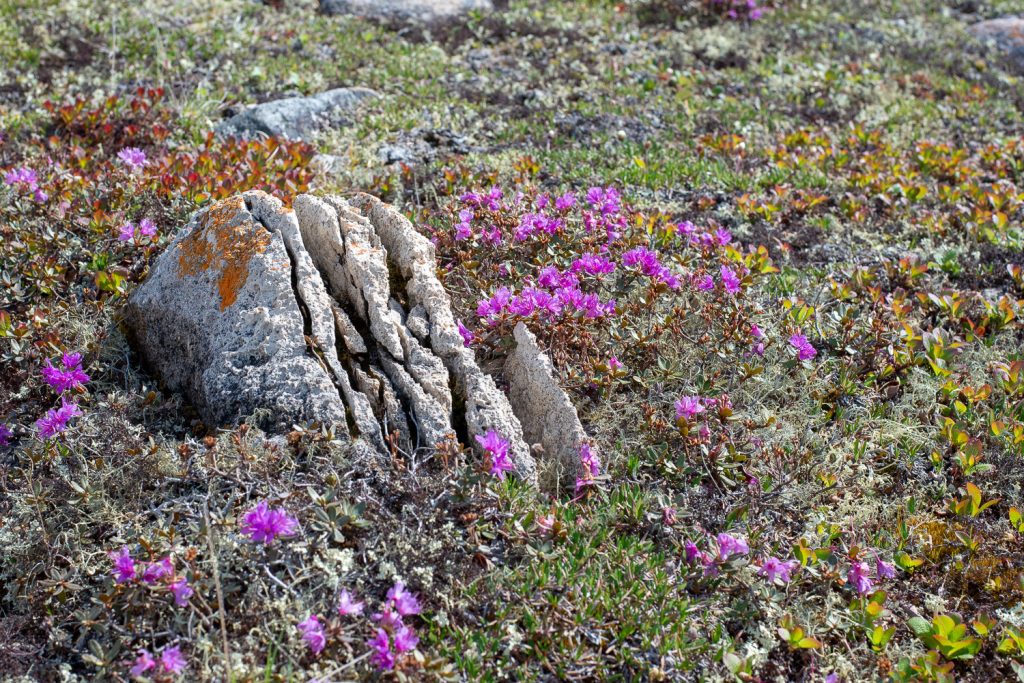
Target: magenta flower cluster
<point>125,570</point>
<point>69,376</point>
<point>726,547</point>
<point>496,448</point>
<point>394,637</point>
<point>805,350</point>
<point>133,157</point>
<point>129,231</point>
<point>263,523</point>
<point>590,467</point>
<point>171,661</point>
<point>27,180</point>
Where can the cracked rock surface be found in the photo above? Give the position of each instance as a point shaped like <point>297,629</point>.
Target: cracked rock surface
<point>332,312</point>
<point>1007,33</point>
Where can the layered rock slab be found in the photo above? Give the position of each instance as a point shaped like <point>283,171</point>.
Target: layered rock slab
<point>546,412</point>
<point>218,320</point>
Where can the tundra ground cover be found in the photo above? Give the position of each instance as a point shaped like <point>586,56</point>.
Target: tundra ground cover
<point>776,262</point>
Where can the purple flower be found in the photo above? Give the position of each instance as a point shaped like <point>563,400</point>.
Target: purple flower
<point>22,176</point>
<point>729,280</point>
<point>858,577</point>
<point>382,657</point>
<point>405,639</point>
<point>588,458</point>
<point>565,202</point>
<point>126,233</point>
<point>884,570</point>
<point>643,257</point>
<point>388,617</point>
<point>756,332</point>
<point>592,264</point>
<point>182,592</point>
<point>124,565</point>
<point>70,376</point>
<point>723,236</point>
<point>495,305</point>
<point>348,606</point>
<point>172,661</point>
<point>706,283</point>
<point>464,229</point>
<point>497,448</point>
<point>405,602</point>
<point>264,524</point>
<point>142,664</point>
<point>158,570</point>
<point>56,419</point>
<point>147,228</point>
<point>691,552</point>
<point>606,200</point>
<point>773,568</point>
<point>729,545</point>
<point>614,364</point>
<point>133,157</point>
<point>313,633</point>
<point>805,351</point>
<point>40,196</point>
<point>5,435</point>
<point>465,333</point>
<point>686,228</point>
<point>688,406</point>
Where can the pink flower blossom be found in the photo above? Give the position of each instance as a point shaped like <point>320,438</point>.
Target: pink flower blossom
<point>126,233</point>
<point>884,570</point>
<point>688,406</point>
<point>614,364</point>
<point>858,577</point>
<point>405,639</point>
<point>773,568</point>
<point>588,458</point>
<point>181,591</point>
<point>691,552</point>
<point>5,435</point>
<point>348,606</point>
<point>729,545</point>
<point>705,283</point>
<point>730,280</point>
<point>388,617</point>
<point>69,376</point>
<point>313,633</point>
<point>158,570</point>
<point>466,334</point>
<point>142,664</point>
<point>133,157</point>
<point>22,176</point>
<point>805,351</point>
<point>668,516</point>
<point>264,524</point>
<point>172,661</point>
<point>592,264</point>
<point>56,419</point>
<point>497,448</point>
<point>405,602</point>
<point>565,202</point>
<point>124,565</point>
<point>147,228</point>
<point>382,656</point>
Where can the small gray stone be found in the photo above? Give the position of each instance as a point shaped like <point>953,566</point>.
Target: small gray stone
<point>296,118</point>
<point>1007,34</point>
<point>426,11</point>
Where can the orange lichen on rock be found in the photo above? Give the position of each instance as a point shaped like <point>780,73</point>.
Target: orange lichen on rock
<point>219,242</point>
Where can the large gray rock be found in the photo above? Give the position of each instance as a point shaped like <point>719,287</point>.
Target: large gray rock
<point>332,312</point>
<point>1007,34</point>
<point>546,412</point>
<point>296,118</point>
<point>426,11</point>
<point>219,320</point>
